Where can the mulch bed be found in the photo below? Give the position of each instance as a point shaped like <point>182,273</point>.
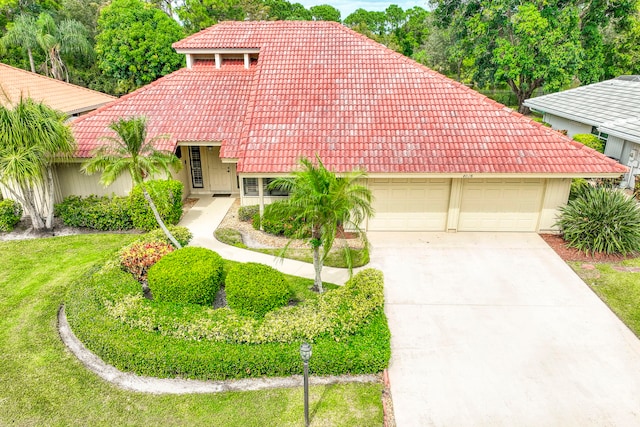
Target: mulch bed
<point>572,254</point>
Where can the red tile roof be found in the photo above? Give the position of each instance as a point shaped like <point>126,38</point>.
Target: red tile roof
<point>319,87</point>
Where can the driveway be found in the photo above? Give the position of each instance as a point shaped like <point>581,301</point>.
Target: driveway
<point>494,329</point>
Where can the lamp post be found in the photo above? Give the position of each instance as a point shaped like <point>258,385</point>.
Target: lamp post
<point>305,354</point>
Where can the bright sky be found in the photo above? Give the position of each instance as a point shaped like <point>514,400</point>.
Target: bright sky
<point>346,7</point>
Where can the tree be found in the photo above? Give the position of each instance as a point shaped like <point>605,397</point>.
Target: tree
<point>524,45</point>
<point>133,45</point>
<point>324,201</point>
<point>131,151</point>
<point>324,12</point>
<point>33,137</point>
<point>198,14</point>
<point>67,37</point>
<point>22,32</point>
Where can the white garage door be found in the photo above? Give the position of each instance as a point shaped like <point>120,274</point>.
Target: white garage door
<point>500,205</point>
<point>410,204</point>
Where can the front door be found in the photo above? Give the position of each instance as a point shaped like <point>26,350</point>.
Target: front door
<point>219,173</point>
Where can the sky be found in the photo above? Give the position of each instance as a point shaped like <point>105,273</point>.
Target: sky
<point>346,7</point>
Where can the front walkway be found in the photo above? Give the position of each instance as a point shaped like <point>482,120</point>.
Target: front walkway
<point>205,216</point>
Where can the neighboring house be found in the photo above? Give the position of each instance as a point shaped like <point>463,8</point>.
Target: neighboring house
<point>73,100</point>
<point>256,96</point>
<point>610,110</point>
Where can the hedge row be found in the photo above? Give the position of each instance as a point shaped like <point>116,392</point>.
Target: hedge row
<point>124,213</point>
<point>365,349</point>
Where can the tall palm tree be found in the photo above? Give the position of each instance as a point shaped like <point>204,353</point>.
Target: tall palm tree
<point>131,151</point>
<point>325,202</point>
<point>22,32</point>
<point>69,36</point>
<point>33,136</point>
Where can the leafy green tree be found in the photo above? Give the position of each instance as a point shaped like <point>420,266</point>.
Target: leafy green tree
<point>56,40</point>
<point>198,14</point>
<point>324,12</point>
<point>131,151</point>
<point>134,43</point>
<point>22,32</point>
<point>325,201</point>
<point>33,137</point>
<point>524,45</point>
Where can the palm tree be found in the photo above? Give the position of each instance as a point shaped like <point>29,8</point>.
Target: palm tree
<point>131,151</point>
<point>33,136</point>
<point>69,36</point>
<point>23,33</point>
<point>325,202</point>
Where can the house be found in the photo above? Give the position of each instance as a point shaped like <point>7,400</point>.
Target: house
<point>73,100</point>
<point>610,110</point>
<point>256,96</point>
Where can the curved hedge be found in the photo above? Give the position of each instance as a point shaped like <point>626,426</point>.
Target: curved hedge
<point>350,346</point>
<point>255,289</point>
<point>189,275</point>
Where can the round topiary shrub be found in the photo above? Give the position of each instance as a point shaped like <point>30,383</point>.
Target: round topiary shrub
<point>255,289</point>
<point>600,219</point>
<point>189,275</point>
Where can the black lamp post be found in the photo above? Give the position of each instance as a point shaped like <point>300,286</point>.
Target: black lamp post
<point>305,354</point>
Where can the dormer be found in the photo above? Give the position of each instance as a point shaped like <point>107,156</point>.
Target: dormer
<point>221,57</point>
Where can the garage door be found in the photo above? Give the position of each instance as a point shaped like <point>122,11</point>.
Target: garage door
<point>500,205</point>
<point>410,204</point>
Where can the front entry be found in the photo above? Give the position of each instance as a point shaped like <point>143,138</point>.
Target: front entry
<point>219,173</point>
<point>208,173</point>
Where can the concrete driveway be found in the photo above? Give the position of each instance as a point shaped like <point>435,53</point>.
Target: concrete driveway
<point>494,329</point>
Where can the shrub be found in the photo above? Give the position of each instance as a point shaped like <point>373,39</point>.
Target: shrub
<point>189,275</point>
<point>138,257</point>
<point>578,186</point>
<point>277,221</point>
<point>10,214</point>
<point>636,191</point>
<point>99,213</point>
<point>182,235</point>
<point>255,289</point>
<point>167,196</point>
<point>245,213</point>
<point>230,236</point>
<point>601,220</point>
<point>590,141</point>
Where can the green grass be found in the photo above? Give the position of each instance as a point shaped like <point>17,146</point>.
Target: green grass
<point>620,290</point>
<point>43,384</point>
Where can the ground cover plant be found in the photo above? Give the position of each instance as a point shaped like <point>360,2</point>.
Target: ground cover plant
<point>44,384</point>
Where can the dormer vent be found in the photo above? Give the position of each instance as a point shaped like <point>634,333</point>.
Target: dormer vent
<point>219,56</point>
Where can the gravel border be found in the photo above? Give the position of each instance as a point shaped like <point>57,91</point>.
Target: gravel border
<point>133,382</point>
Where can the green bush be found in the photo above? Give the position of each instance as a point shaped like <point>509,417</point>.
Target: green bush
<point>578,186</point>
<point>245,213</point>
<point>138,257</point>
<point>255,289</point>
<point>601,220</point>
<point>636,190</point>
<point>590,141</point>
<point>10,214</point>
<point>189,275</point>
<point>167,196</point>
<point>181,234</point>
<point>277,221</point>
<point>99,213</point>
<point>150,350</point>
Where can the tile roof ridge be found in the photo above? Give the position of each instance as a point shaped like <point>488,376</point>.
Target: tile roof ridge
<point>47,78</point>
<point>123,98</point>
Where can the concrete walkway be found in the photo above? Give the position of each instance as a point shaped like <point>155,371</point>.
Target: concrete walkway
<point>205,216</point>
<point>494,329</point>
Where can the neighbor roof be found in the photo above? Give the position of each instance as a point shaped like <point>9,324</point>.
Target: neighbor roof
<point>62,96</point>
<point>320,88</point>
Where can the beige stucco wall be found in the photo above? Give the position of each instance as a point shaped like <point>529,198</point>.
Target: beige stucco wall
<point>572,127</point>
<point>73,182</point>
<point>556,195</point>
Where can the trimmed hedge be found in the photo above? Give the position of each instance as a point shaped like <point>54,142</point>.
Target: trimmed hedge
<point>189,275</point>
<point>255,289</point>
<point>246,213</point>
<point>99,213</point>
<point>181,234</point>
<point>167,196</point>
<point>10,214</point>
<point>150,352</point>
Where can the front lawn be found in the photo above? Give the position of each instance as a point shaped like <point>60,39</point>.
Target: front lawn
<point>618,284</point>
<point>44,384</point>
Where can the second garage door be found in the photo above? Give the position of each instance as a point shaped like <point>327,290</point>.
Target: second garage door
<point>410,204</point>
<point>500,205</point>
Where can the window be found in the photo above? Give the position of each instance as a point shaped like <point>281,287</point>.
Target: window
<point>251,188</point>
<point>602,136</point>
